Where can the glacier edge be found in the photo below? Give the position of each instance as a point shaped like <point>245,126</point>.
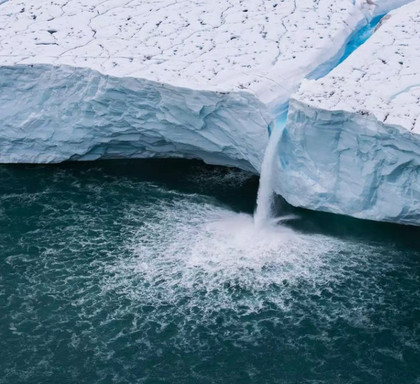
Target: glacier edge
<point>350,164</point>
<point>67,113</point>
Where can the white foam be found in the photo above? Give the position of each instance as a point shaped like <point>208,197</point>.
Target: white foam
<point>195,250</point>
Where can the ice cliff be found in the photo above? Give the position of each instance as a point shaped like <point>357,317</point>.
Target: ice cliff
<point>93,79</point>
<point>90,79</point>
<point>351,144</point>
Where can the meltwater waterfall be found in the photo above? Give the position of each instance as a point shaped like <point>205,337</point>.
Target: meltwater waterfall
<point>264,213</point>
<point>265,198</point>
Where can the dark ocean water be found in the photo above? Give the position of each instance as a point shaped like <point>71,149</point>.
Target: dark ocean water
<point>152,272</point>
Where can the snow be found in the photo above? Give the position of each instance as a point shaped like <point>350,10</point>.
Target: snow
<point>385,6</point>
<point>352,139</point>
<point>382,78</point>
<point>255,45</point>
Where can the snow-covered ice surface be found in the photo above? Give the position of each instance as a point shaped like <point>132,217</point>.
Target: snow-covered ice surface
<point>384,6</point>
<point>261,46</point>
<point>135,78</point>
<point>352,140</point>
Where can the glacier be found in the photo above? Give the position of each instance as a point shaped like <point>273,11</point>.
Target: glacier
<point>94,79</point>
<point>91,79</point>
<point>351,144</point>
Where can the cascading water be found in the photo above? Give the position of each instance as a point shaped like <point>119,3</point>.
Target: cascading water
<point>264,213</point>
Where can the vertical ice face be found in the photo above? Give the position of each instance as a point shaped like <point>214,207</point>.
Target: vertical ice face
<point>52,114</point>
<point>352,140</point>
<point>87,79</point>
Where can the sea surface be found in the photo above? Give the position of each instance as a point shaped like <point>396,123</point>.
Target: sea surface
<point>153,272</point>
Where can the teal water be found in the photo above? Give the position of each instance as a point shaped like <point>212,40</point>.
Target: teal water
<point>152,272</point>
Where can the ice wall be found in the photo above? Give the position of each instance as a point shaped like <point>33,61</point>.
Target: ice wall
<point>59,113</point>
<point>352,139</point>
